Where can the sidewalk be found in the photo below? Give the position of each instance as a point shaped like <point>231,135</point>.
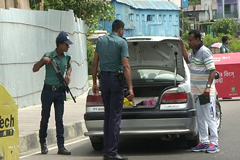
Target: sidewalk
<point>29,122</point>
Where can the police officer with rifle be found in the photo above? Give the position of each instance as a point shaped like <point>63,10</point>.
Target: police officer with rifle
<point>57,63</point>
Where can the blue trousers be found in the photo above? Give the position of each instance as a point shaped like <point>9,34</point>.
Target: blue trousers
<point>112,95</point>
<point>57,98</point>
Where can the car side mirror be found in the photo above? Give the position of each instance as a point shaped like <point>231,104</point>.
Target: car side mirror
<point>216,75</point>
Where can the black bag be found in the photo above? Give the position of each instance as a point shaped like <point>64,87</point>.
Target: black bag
<point>203,100</point>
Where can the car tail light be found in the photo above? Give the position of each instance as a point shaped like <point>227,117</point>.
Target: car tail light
<point>172,98</point>
<point>93,100</point>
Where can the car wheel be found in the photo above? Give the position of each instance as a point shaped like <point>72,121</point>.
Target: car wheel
<point>193,142</point>
<point>218,115</point>
<point>97,143</point>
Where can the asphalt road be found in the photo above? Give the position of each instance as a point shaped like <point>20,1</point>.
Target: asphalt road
<point>154,149</point>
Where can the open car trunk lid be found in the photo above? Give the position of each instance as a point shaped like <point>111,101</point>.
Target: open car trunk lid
<point>156,65</point>
<point>156,52</point>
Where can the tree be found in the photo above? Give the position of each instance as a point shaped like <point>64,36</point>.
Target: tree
<point>89,10</point>
<point>194,2</point>
<point>14,4</point>
<point>34,4</point>
<point>226,26</point>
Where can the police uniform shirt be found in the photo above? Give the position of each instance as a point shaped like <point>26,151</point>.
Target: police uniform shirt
<point>64,63</point>
<point>224,49</point>
<point>111,50</point>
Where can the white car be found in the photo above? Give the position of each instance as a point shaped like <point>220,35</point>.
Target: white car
<point>163,104</point>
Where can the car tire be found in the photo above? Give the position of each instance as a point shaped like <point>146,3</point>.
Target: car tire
<point>218,115</point>
<point>193,142</point>
<point>97,145</point>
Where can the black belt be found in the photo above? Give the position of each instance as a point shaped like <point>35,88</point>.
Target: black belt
<point>53,88</point>
<point>109,73</point>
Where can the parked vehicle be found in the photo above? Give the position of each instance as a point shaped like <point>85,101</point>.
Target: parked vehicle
<point>163,105</point>
<point>96,34</point>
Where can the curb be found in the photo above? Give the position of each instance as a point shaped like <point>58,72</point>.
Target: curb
<point>71,131</point>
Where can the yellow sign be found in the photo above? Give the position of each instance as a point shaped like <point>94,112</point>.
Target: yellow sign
<point>9,133</point>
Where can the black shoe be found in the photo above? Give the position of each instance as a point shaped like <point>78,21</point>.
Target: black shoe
<point>63,151</point>
<point>105,156</point>
<point>117,157</point>
<point>44,149</point>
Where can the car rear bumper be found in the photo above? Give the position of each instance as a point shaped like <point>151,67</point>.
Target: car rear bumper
<point>145,127</point>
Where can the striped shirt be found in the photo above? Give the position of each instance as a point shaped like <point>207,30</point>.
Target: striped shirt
<point>201,63</point>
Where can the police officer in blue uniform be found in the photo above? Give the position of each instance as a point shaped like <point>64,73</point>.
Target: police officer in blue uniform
<point>53,91</point>
<point>112,54</point>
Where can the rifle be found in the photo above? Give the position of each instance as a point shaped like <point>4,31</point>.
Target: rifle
<point>61,79</point>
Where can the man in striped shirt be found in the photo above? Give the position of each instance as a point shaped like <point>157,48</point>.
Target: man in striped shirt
<point>202,69</point>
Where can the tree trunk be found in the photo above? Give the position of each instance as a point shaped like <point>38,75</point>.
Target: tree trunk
<point>22,4</point>
<point>42,5</point>
<point>9,4</point>
<point>2,4</point>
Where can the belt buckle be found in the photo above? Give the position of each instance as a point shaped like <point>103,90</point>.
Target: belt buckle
<point>54,88</point>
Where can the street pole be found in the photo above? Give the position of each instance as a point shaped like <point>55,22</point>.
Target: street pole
<point>238,10</point>
<point>223,7</point>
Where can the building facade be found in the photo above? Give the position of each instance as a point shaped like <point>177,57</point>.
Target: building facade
<point>229,10</point>
<point>145,18</point>
<point>207,10</point>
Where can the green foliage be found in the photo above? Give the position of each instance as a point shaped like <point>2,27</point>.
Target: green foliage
<point>89,10</point>
<point>230,37</point>
<point>34,4</point>
<point>185,38</point>
<point>194,2</point>
<point>90,56</point>
<point>185,35</point>
<point>208,40</point>
<point>186,23</point>
<point>226,26</point>
<point>234,45</point>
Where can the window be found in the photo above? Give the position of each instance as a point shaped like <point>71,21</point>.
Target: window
<point>160,18</point>
<point>119,16</point>
<point>170,18</point>
<point>177,18</point>
<point>148,17</point>
<point>151,18</point>
<point>227,8</point>
<point>131,17</point>
<point>164,18</point>
<point>137,17</point>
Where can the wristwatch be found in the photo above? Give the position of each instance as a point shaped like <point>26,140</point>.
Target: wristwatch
<point>208,85</point>
<point>68,73</point>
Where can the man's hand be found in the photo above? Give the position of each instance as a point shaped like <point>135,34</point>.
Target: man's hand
<point>95,89</point>
<point>206,93</point>
<point>181,40</point>
<point>131,95</point>
<point>184,50</point>
<point>68,79</point>
<point>46,60</point>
